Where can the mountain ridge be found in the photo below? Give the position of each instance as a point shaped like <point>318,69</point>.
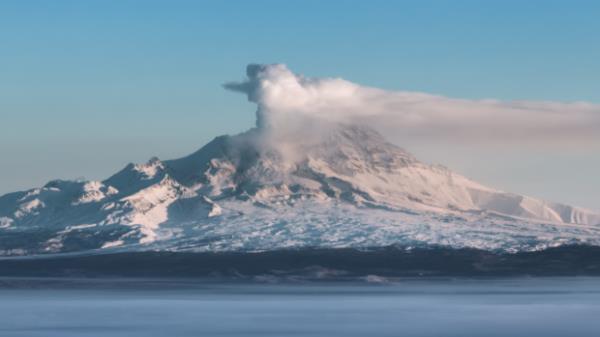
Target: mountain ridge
<point>261,182</point>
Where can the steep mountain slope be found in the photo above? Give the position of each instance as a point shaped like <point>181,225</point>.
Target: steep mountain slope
<point>345,187</point>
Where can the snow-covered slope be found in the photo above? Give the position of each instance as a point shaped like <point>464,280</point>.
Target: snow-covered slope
<point>348,187</point>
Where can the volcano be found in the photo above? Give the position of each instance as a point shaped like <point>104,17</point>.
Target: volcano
<point>346,188</point>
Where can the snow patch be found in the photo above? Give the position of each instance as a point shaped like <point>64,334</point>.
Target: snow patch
<point>6,222</point>
<point>112,244</point>
<point>215,210</point>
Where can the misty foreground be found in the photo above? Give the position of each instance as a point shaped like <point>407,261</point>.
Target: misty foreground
<point>510,307</point>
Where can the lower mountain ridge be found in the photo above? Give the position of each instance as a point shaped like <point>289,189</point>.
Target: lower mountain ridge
<point>256,192</point>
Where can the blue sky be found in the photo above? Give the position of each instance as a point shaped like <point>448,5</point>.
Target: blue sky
<point>87,86</point>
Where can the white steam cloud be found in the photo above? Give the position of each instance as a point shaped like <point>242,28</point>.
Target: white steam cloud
<point>284,97</point>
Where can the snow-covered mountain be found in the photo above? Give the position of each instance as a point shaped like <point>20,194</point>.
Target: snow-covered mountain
<point>256,191</point>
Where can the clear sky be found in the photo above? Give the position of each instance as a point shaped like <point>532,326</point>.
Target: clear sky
<point>88,86</point>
